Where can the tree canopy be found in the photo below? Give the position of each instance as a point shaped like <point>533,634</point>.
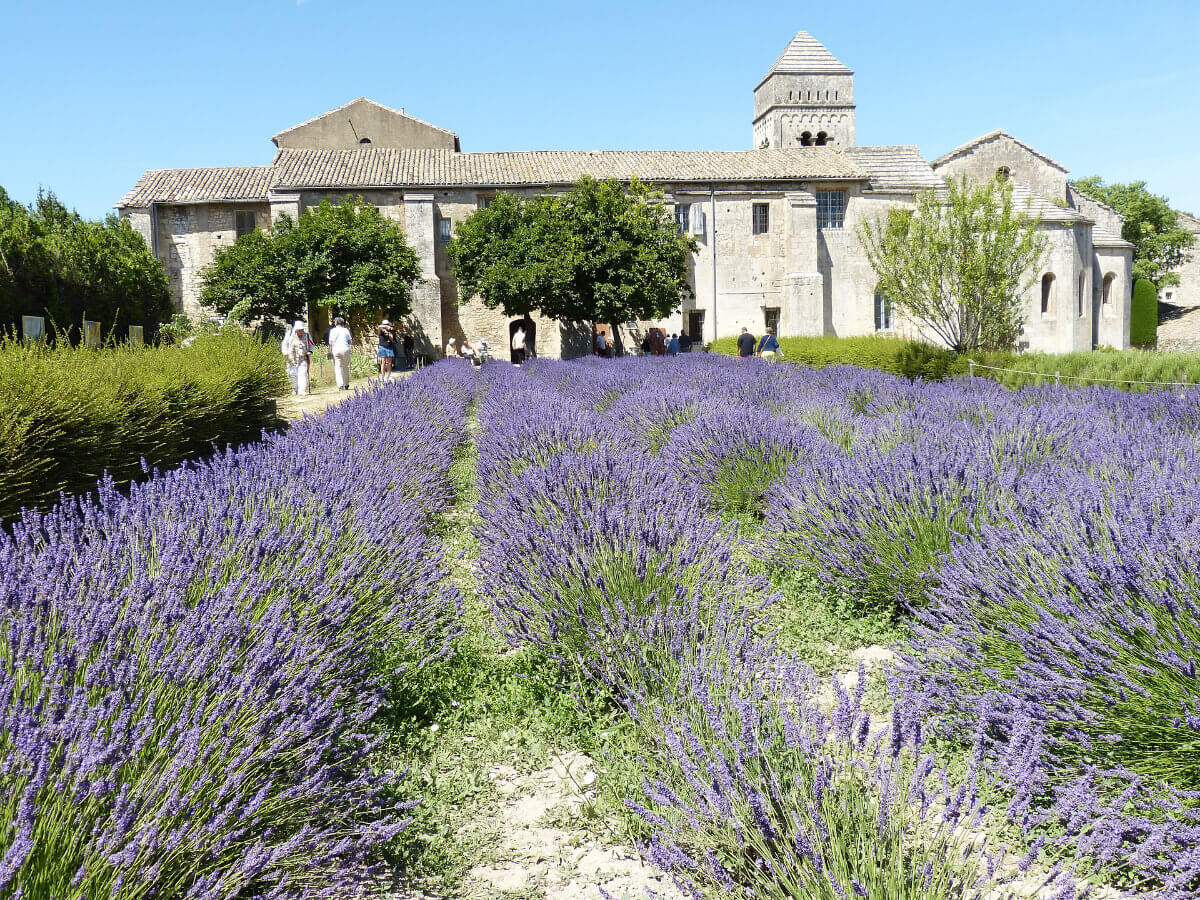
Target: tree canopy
<point>599,252</point>
<point>56,264</point>
<point>1159,243</point>
<point>346,257</point>
<point>958,267</point>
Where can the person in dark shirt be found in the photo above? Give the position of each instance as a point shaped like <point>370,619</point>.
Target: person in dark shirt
<point>685,343</point>
<point>409,346</point>
<point>746,344</point>
<point>768,347</point>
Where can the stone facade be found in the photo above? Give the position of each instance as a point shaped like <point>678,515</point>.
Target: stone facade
<point>1187,292</point>
<point>775,225</point>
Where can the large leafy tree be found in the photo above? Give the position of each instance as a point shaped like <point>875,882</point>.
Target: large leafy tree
<point>346,257</point>
<point>602,252</point>
<point>958,265</point>
<point>56,264</point>
<point>1159,243</point>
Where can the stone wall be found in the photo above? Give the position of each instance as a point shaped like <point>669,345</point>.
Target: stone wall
<point>982,161</point>
<point>786,105</point>
<point>345,128</point>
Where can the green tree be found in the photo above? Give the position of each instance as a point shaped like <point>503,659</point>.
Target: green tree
<point>345,256</point>
<point>1159,244</point>
<point>599,252</point>
<point>56,264</point>
<point>958,266</point>
<point>1143,314</point>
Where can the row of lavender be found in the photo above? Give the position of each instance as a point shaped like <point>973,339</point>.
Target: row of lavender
<point>189,672</point>
<point>1040,539</point>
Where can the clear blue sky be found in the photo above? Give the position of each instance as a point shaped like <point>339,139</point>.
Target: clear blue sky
<point>95,93</point>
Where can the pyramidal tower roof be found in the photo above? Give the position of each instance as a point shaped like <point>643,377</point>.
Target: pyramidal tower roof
<point>806,55</point>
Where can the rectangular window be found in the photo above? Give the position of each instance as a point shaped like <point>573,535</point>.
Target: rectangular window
<point>444,230</point>
<point>695,325</point>
<point>761,218</point>
<point>485,202</point>
<point>243,222</point>
<point>682,218</point>
<point>771,319</point>
<point>831,209</point>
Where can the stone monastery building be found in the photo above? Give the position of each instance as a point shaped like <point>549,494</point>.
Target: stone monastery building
<point>775,224</point>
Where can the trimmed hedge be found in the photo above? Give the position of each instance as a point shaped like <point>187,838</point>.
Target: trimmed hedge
<point>1143,314</point>
<point>900,357</point>
<point>68,415</point>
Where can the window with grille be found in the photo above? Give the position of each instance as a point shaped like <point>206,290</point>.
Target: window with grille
<point>883,312</point>
<point>444,230</point>
<point>243,222</point>
<point>771,319</point>
<point>761,218</point>
<point>682,218</point>
<point>831,209</point>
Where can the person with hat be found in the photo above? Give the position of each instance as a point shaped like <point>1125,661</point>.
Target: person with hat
<point>387,348</point>
<point>297,348</point>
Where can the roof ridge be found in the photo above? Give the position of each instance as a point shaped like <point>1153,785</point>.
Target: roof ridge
<point>330,112</point>
<point>805,54</point>
<point>999,132</point>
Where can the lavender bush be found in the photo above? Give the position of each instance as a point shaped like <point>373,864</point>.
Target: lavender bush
<point>188,673</point>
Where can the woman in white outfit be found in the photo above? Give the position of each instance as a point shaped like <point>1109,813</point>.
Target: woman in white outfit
<point>339,352</point>
<point>296,347</point>
<point>518,345</point>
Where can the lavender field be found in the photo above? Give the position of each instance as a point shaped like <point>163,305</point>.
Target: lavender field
<point>285,672</point>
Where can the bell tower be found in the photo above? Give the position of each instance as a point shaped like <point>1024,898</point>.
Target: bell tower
<point>806,100</point>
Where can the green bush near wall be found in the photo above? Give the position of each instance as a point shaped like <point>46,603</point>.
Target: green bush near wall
<point>1127,369</point>
<point>1143,315</point>
<point>900,357</point>
<point>67,415</point>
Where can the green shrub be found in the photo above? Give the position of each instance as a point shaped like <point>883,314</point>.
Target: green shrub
<point>68,415</point>
<point>1118,368</point>
<point>900,357</point>
<point>1143,314</point>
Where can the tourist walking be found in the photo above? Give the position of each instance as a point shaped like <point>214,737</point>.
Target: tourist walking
<point>297,348</point>
<point>601,348</point>
<point>387,348</point>
<point>685,343</point>
<point>673,345</point>
<point>339,351</point>
<point>746,344</point>
<point>518,345</point>
<point>768,347</point>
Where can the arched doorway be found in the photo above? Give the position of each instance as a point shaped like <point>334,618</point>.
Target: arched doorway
<point>530,327</point>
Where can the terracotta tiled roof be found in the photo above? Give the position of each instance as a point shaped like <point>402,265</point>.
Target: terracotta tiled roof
<point>894,168</point>
<point>806,55</point>
<point>991,135</point>
<point>196,185</point>
<point>381,167</point>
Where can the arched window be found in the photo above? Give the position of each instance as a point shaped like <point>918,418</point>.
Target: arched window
<point>1106,289</point>
<point>806,139</point>
<point>1079,294</point>
<point>364,141</point>
<point>1003,173</point>
<point>1048,294</point>
<point>822,139</point>
<point>883,312</point>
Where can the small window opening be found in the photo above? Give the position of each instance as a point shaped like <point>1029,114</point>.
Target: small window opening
<point>1047,294</point>
<point>806,139</point>
<point>364,141</point>
<point>883,312</point>
<point>1106,289</point>
<point>243,222</point>
<point>1003,173</point>
<point>445,230</point>
<point>761,218</point>
<point>1079,294</point>
<point>822,139</point>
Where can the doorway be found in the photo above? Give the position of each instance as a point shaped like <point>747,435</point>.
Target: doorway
<point>519,356</point>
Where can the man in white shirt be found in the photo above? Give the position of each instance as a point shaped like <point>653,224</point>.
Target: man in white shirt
<point>339,349</point>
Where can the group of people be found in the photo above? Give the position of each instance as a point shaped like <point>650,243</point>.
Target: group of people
<point>657,343</point>
<point>298,346</point>
<point>767,347</point>
<point>478,353</point>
